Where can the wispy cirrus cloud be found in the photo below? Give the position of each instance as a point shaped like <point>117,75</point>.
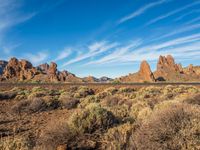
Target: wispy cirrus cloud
<point>93,50</point>
<point>171,13</point>
<point>182,47</point>
<point>11,15</point>
<point>37,58</point>
<point>63,54</point>
<point>187,14</point>
<point>142,10</point>
<point>117,53</point>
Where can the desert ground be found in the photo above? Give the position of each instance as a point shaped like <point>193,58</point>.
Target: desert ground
<point>164,117</point>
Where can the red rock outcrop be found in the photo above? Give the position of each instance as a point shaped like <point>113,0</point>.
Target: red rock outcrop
<point>168,70</point>
<point>143,75</point>
<point>145,72</point>
<point>19,70</point>
<point>53,72</point>
<point>2,66</point>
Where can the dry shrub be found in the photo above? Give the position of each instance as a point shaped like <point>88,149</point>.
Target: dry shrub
<point>14,143</point>
<point>52,102</point>
<point>173,128</point>
<point>83,92</point>
<point>137,107</point>
<point>111,90</point>
<point>68,102</point>
<point>7,95</point>
<point>86,101</point>
<point>126,90</point>
<point>148,92</point>
<point>56,133</point>
<point>144,114</point>
<point>111,101</point>
<point>121,113</point>
<point>195,100</point>
<point>92,118</point>
<point>60,134</point>
<point>117,138</point>
<point>29,106</point>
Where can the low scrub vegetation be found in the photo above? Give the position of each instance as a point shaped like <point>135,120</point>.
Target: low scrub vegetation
<point>166,118</point>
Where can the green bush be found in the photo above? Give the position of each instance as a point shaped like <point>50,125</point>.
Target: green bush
<point>92,118</point>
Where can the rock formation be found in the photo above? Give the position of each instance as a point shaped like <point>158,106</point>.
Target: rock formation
<point>19,70</point>
<point>145,72</point>
<point>2,66</point>
<point>22,70</point>
<point>143,75</point>
<point>168,70</point>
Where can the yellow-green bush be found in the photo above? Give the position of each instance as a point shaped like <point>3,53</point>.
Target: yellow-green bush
<point>92,118</point>
<point>117,138</point>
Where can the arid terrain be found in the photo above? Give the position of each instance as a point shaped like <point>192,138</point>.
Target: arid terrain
<point>167,70</point>
<point>100,117</point>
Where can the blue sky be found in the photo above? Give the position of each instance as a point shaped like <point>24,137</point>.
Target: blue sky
<point>100,37</point>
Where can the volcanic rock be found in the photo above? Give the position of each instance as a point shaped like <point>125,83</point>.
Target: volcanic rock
<point>19,70</point>
<point>43,67</point>
<point>2,66</point>
<point>144,75</point>
<point>145,72</point>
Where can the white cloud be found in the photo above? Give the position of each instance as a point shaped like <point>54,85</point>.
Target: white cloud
<point>63,54</point>
<point>179,31</point>
<point>141,10</point>
<point>10,14</point>
<point>38,58</point>
<point>171,13</point>
<point>8,49</point>
<point>183,47</point>
<point>93,51</point>
<point>118,52</point>
<point>187,14</point>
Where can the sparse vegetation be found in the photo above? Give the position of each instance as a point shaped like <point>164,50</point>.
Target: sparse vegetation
<point>108,118</point>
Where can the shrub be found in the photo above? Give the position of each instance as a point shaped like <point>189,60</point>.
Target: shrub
<point>29,106</point>
<point>68,102</point>
<point>86,101</point>
<point>92,118</point>
<point>126,90</point>
<point>111,101</point>
<point>14,143</point>
<point>83,92</point>
<point>60,136</point>
<point>117,138</point>
<point>7,95</point>
<point>195,100</point>
<point>175,127</point>
<point>52,102</point>
<point>111,90</point>
<point>137,107</point>
<point>121,113</point>
<point>56,133</point>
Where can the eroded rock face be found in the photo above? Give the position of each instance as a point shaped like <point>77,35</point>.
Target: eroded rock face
<point>43,67</point>
<point>143,75</point>
<point>145,72</point>
<point>19,70</point>
<point>2,66</point>
<point>53,72</point>
<point>167,63</point>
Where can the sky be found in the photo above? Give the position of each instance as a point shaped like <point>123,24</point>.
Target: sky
<point>100,37</point>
